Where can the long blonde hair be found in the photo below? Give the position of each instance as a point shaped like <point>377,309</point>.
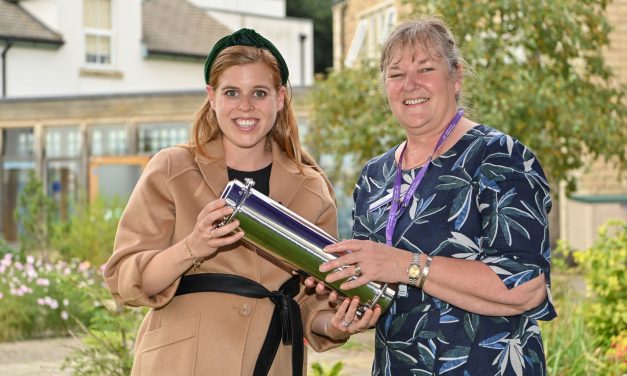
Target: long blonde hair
<point>285,129</point>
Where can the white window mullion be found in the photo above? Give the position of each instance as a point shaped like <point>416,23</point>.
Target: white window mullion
<point>358,41</point>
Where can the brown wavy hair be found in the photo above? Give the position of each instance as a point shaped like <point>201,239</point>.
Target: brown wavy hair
<point>285,129</point>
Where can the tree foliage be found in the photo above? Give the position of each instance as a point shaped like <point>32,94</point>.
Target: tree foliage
<point>539,75</point>
<point>350,118</point>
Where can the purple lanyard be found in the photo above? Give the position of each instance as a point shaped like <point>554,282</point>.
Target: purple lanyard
<point>395,213</point>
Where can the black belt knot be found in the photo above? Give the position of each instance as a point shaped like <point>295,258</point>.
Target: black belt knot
<point>286,324</point>
<point>282,302</point>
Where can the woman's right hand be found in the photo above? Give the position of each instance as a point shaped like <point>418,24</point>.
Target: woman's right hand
<point>206,237</point>
<point>321,289</point>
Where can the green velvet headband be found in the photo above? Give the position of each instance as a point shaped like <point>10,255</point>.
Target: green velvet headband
<point>246,37</point>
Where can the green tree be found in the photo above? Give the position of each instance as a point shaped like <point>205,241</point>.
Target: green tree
<point>320,12</point>
<point>539,75</point>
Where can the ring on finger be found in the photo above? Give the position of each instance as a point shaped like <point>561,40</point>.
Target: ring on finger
<point>346,323</point>
<point>211,233</point>
<point>358,270</point>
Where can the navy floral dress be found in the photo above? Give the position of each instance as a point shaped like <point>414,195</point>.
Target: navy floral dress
<point>485,199</point>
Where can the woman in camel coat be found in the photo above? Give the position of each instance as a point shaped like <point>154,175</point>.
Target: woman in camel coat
<point>168,236</point>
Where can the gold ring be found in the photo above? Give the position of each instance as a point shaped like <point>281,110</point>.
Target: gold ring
<point>346,324</point>
<point>357,270</point>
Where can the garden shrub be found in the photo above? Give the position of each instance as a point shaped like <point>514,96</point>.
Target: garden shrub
<point>89,233</point>
<point>106,342</point>
<point>605,309</point>
<point>604,269</point>
<point>36,214</point>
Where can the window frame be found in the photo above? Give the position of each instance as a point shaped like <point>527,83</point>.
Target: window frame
<point>100,33</point>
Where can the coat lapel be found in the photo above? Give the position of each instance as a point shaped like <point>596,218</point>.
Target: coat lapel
<point>285,179</point>
<point>213,169</point>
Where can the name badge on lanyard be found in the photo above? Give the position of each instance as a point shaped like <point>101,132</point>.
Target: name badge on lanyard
<point>399,204</point>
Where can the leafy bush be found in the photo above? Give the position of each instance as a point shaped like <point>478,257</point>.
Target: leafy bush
<point>36,214</point>
<point>89,233</point>
<point>106,343</point>
<point>589,337</point>
<point>604,268</point>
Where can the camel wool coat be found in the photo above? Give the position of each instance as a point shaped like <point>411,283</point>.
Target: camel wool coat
<point>209,333</point>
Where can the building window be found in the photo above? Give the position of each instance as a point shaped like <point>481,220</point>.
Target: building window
<point>18,143</point>
<point>109,140</point>
<point>98,32</point>
<point>63,142</point>
<point>154,137</point>
<point>372,31</point>
<point>62,166</point>
<point>17,163</point>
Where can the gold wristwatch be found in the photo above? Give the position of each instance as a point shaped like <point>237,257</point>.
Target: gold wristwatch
<point>413,271</point>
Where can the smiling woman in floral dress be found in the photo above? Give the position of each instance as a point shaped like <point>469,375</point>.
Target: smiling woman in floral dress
<point>456,215</point>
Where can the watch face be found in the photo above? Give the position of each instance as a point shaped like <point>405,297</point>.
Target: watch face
<point>413,271</point>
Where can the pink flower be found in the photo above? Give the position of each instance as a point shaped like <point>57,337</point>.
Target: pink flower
<point>1,296</point>
<point>52,303</point>
<point>64,315</point>
<point>6,260</point>
<point>30,272</point>
<point>84,266</point>
<point>25,290</point>
<point>42,282</point>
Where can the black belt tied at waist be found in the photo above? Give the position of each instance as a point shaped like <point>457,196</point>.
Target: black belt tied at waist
<point>286,322</point>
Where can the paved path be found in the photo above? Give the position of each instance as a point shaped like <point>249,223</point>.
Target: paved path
<point>30,358</point>
<point>45,357</point>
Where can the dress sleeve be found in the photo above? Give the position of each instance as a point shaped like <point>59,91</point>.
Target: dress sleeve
<point>360,231</point>
<point>145,228</point>
<point>514,202</point>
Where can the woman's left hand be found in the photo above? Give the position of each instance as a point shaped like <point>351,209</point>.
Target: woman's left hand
<point>367,261</point>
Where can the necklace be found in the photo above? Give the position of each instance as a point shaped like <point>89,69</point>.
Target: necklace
<point>398,207</point>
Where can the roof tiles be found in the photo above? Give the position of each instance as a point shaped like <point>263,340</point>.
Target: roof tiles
<point>18,25</point>
<point>177,27</point>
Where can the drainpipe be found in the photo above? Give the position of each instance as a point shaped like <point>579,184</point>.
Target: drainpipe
<point>6,48</point>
